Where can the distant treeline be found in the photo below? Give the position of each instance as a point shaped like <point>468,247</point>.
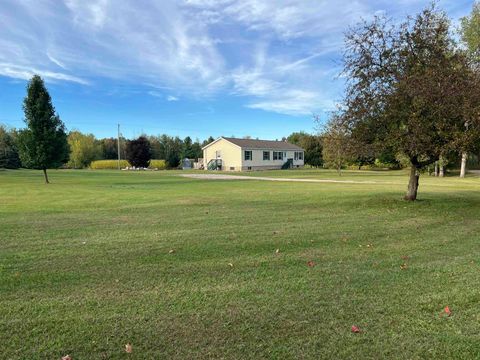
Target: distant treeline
<point>319,151</point>
<point>85,148</point>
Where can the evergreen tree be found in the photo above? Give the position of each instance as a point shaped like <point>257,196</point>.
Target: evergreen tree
<point>43,144</point>
<point>188,151</point>
<point>208,141</point>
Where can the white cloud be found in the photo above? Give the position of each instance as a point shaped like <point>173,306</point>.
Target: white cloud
<point>26,73</point>
<point>275,55</point>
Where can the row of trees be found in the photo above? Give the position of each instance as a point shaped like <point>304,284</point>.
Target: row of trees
<point>45,144</point>
<point>412,90</point>
<point>85,148</point>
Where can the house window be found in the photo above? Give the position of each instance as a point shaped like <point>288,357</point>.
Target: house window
<point>278,155</point>
<point>298,155</point>
<point>248,155</point>
<point>266,155</point>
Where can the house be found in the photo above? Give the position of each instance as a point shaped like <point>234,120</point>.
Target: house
<point>231,154</point>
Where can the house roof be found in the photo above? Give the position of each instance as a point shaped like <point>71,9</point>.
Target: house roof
<point>263,144</point>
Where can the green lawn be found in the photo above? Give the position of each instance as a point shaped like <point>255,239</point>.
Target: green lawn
<point>85,267</point>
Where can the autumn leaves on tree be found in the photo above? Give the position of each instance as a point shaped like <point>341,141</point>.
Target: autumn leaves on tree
<point>410,88</point>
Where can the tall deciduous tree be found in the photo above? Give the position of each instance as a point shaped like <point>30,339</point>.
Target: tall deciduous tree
<point>139,152</point>
<point>83,149</point>
<point>43,144</point>
<point>109,148</point>
<point>312,144</point>
<point>470,33</point>
<point>336,141</point>
<point>407,86</point>
<point>9,158</point>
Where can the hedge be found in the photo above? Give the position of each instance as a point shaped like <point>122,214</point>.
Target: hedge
<point>108,164</point>
<point>158,164</point>
<point>113,164</point>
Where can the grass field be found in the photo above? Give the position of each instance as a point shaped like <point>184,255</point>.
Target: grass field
<point>86,266</point>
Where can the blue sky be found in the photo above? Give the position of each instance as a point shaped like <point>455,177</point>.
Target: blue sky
<point>184,67</point>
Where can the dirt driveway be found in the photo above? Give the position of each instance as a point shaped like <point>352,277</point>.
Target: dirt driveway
<point>241,177</point>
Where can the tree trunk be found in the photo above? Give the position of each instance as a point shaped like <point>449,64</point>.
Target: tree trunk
<point>436,168</point>
<point>463,168</point>
<point>441,173</point>
<point>46,176</point>
<point>412,184</point>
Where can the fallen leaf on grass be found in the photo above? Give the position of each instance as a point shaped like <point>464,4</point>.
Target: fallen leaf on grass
<point>67,357</point>
<point>447,311</point>
<point>277,251</point>
<point>230,264</point>
<point>171,251</point>
<point>128,348</point>
<point>405,257</point>
<point>355,329</point>
<point>403,267</point>
<point>311,263</point>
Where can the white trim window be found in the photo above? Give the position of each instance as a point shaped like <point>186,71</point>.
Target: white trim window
<point>266,155</point>
<point>298,155</point>
<point>247,155</point>
<point>278,155</point>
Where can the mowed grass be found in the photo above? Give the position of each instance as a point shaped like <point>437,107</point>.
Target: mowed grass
<point>85,267</point>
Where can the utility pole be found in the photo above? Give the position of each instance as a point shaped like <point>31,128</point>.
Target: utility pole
<point>118,145</point>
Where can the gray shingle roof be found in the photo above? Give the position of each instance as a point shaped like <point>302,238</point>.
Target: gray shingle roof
<point>263,144</point>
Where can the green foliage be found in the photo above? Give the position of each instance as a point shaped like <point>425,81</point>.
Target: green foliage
<point>470,31</point>
<point>312,144</point>
<point>157,145</point>
<point>83,149</point>
<point>108,164</point>
<point>9,158</point>
<point>337,149</point>
<point>208,141</point>
<point>410,89</point>
<point>188,151</point>
<point>173,159</point>
<point>109,148</point>
<point>138,152</point>
<point>197,150</point>
<point>43,144</point>
<point>158,164</point>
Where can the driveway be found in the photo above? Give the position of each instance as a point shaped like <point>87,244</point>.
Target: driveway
<point>263,178</point>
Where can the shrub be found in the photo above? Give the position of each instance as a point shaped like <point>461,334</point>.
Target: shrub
<point>138,152</point>
<point>173,160</point>
<point>158,164</point>
<point>108,164</point>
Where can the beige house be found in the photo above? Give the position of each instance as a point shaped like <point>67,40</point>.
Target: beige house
<point>231,154</point>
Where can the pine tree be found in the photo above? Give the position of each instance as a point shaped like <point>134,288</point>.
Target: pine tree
<point>43,144</point>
